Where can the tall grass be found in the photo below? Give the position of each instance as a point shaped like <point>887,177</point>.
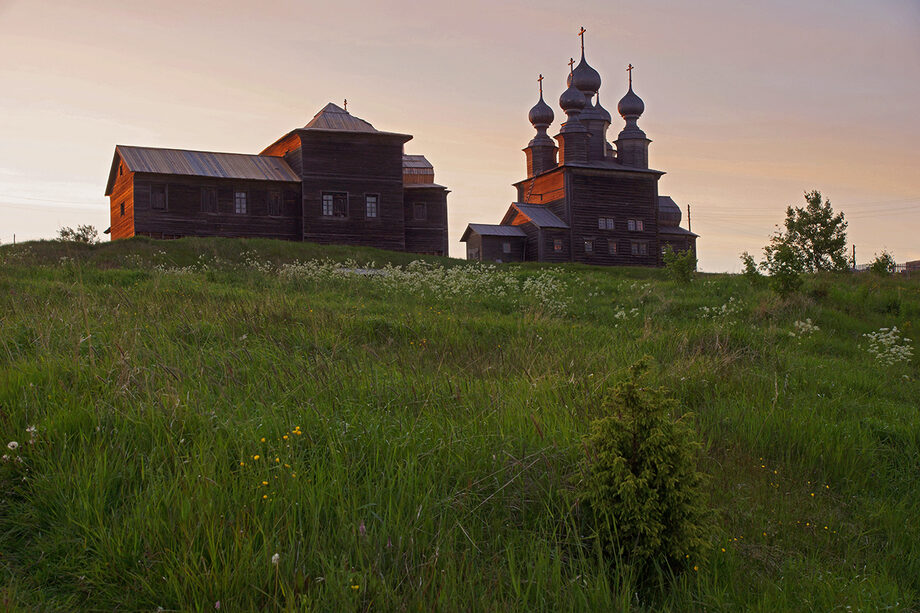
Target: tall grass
<point>408,439</point>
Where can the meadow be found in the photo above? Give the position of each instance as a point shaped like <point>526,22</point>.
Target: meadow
<point>215,424</point>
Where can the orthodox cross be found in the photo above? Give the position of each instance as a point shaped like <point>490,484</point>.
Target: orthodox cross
<point>346,104</point>
<point>581,33</point>
<point>571,64</point>
<point>540,81</point>
<point>629,69</point>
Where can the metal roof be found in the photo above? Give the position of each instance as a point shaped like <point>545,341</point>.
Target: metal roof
<point>485,229</point>
<point>676,230</point>
<point>333,117</point>
<point>539,215</point>
<point>416,161</point>
<point>202,164</point>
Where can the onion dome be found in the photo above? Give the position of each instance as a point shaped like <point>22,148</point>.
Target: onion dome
<point>572,100</point>
<point>630,105</point>
<point>584,77</point>
<point>541,114</point>
<point>601,112</point>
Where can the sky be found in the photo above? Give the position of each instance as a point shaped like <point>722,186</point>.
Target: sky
<point>748,104</point>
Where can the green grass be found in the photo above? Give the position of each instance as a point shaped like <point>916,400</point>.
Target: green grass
<point>434,425</point>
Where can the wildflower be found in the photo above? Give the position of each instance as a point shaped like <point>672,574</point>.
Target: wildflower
<point>13,445</point>
<point>695,567</point>
<point>275,559</point>
<point>723,550</point>
<point>242,463</point>
<point>262,440</point>
<point>264,496</point>
<point>285,437</point>
<point>31,430</point>
<point>361,529</point>
<point>256,457</point>
<point>356,587</point>
<point>217,605</point>
<point>265,483</point>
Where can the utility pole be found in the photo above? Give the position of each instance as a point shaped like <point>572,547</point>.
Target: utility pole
<point>854,257</point>
<point>689,229</point>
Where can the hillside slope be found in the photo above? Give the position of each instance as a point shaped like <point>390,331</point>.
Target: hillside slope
<point>409,439</point>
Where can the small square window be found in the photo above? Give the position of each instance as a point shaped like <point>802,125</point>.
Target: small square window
<point>601,223</point>
<point>557,244</point>
<point>420,211</point>
<point>506,247</point>
<point>589,246</point>
<point>239,203</point>
<point>335,204</point>
<point>370,205</point>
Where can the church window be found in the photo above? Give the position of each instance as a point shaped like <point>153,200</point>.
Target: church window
<point>370,205</point>
<point>239,203</point>
<point>605,223</point>
<point>636,225</point>
<point>557,244</point>
<point>274,203</point>
<point>420,211</point>
<point>122,209</point>
<point>612,247</point>
<point>208,200</point>
<point>506,247</point>
<point>335,204</point>
<point>589,246</point>
<point>158,197</point>
<point>639,248</point>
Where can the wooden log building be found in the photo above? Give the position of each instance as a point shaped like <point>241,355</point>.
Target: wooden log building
<point>336,180</point>
<point>585,199</point>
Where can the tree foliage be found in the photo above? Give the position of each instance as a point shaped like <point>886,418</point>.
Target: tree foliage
<point>883,264</point>
<point>816,233</point>
<point>641,487</point>
<point>83,234</point>
<point>680,266</point>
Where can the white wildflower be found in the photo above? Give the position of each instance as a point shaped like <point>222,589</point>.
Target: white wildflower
<point>13,445</point>
<point>275,559</point>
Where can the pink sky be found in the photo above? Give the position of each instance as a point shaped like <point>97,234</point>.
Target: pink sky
<point>748,104</point>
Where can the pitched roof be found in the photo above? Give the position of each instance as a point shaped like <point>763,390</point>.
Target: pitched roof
<point>485,229</point>
<point>201,164</point>
<point>333,117</point>
<point>538,215</point>
<point>416,161</point>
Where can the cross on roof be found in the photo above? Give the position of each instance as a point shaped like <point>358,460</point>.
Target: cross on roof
<point>629,69</point>
<point>571,64</point>
<point>581,33</point>
<point>540,81</point>
<point>346,104</point>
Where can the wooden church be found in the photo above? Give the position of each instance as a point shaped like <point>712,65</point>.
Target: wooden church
<point>585,199</point>
<point>335,180</point>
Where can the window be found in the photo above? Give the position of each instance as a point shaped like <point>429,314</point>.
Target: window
<point>635,225</point>
<point>208,200</point>
<point>420,211</point>
<point>612,247</point>
<point>122,207</point>
<point>370,205</point>
<point>274,203</point>
<point>239,203</point>
<point>557,244</point>
<point>158,197</point>
<point>506,247</point>
<point>335,204</point>
<point>605,223</point>
<point>639,248</point>
<point>472,253</point>
<point>589,246</point>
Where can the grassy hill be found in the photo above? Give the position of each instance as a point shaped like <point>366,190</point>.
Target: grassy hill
<point>410,440</point>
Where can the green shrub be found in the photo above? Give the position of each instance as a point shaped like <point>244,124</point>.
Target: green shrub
<point>749,268</point>
<point>641,488</point>
<point>679,266</point>
<point>883,264</point>
<point>784,263</point>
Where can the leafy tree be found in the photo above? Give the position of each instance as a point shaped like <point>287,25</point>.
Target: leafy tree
<point>680,266</point>
<point>883,264</point>
<point>816,234</point>
<point>83,234</point>
<point>640,486</point>
<point>785,265</point>
<point>749,268</point>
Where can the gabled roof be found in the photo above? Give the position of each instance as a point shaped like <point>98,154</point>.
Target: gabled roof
<point>675,230</point>
<point>485,229</point>
<point>200,164</point>
<point>333,117</point>
<point>416,161</point>
<point>536,214</point>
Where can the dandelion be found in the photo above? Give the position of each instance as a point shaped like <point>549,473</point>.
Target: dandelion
<point>256,457</point>
<point>242,463</point>
<point>695,567</point>
<point>265,483</point>
<point>275,559</point>
<point>262,440</point>
<point>356,587</point>
<point>13,445</point>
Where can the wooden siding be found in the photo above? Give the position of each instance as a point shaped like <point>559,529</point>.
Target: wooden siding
<point>183,215</point>
<point>548,237</point>
<point>288,147</point>
<point>622,196</point>
<point>427,235</point>
<point>546,188</point>
<point>122,226</point>
<point>493,249</point>
<point>357,164</point>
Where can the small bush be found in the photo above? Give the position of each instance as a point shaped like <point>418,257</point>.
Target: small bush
<point>83,234</point>
<point>883,264</point>
<point>749,268</point>
<point>679,266</point>
<point>640,487</point>
<point>785,266</point>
